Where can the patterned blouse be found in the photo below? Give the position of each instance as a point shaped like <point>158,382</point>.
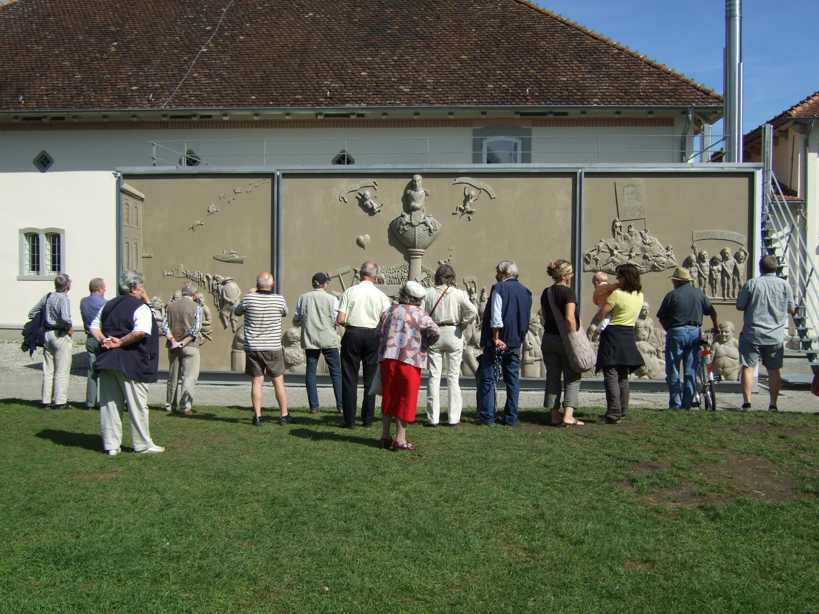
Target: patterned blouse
<point>404,333</point>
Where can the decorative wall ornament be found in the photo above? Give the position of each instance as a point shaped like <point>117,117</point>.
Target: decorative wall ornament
<point>213,209</point>
<point>294,355</point>
<point>722,275</point>
<point>195,225</point>
<point>362,241</point>
<point>414,230</point>
<point>364,196</point>
<point>231,256</point>
<point>532,359</point>
<point>225,292</point>
<point>628,244</point>
<point>226,199</point>
<point>472,192</point>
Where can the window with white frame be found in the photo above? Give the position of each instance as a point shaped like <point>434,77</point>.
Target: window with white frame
<point>42,253</point>
<point>502,150</point>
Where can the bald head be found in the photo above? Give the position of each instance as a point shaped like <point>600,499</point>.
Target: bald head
<point>264,281</point>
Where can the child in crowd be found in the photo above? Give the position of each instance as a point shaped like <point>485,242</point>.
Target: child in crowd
<point>602,289</point>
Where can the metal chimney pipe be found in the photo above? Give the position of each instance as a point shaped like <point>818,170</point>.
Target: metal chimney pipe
<point>733,81</point>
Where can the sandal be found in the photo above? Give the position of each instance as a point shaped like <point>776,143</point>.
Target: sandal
<point>574,422</point>
<point>403,446</point>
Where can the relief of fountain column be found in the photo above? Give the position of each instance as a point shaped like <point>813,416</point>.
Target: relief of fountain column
<point>414,230</point>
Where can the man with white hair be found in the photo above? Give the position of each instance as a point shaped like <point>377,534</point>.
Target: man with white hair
<point>360,312</point>
<point>182,327</point>
<point>503,330</point>
<point>57,347</point>
<point>264,311</point>
<point>127,363</point>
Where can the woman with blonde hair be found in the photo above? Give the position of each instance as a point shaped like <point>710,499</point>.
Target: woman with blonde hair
<point>558,308</point>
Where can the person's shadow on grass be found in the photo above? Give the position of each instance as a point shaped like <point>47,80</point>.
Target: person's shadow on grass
<point>331,436</point>
<point>74,440</point>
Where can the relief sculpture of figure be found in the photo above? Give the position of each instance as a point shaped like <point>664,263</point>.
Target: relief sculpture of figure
<point>713,276</point>
<point>654,364</point>
<point>728,266</point>
<point>368,204</point>
<point>738,276</point>
<point>726,353</point>
<point>703,270</point>
<point>415,213</point>
<point>532,358</point>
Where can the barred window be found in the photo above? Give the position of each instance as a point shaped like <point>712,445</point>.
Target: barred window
<point>54,241</point>
<point>32,254</point>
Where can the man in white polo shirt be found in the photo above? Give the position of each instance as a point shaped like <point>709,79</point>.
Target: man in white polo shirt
<point>360,311</point>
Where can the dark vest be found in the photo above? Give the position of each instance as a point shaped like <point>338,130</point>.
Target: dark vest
<point>139,361</point>
<point>517,307</point>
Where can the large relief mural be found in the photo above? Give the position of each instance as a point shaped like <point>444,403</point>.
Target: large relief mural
<point>216,233</point>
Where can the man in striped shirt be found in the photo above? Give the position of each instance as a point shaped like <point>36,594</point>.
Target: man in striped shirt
<point>264,311</point>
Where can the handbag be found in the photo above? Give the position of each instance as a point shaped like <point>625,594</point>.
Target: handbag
<point>376,387</point>
<point>579,349</point>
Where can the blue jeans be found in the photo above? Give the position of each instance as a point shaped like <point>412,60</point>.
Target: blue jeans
<point>681,345</point>
<point>510,363</point>
<point>331,356</point>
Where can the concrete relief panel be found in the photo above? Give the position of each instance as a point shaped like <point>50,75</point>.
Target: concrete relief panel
<point>657,222</point>
<point>213,232</point>
<point>527,218</point>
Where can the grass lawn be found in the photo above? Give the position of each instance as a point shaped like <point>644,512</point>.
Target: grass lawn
<point>667,512</point>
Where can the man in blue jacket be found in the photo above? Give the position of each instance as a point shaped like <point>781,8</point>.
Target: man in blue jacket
<point>503,330</point>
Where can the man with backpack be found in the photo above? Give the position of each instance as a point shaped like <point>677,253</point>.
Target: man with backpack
<point>53,312</point>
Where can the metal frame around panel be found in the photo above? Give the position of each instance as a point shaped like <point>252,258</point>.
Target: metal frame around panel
<point>277,176</point>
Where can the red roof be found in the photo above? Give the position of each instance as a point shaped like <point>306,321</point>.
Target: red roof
<point>807,108</point>
<point>230,54</point>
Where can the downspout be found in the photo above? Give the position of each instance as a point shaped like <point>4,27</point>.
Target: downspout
<point>733,81</point>
<point>689,121</point>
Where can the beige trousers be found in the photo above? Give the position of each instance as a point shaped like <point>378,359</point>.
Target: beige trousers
<point>451,345</point>
<point>115,392</point>
<point>56,367</point>
<point>183,364</point>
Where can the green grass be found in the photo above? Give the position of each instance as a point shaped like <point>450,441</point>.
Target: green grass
<point>667,512</point>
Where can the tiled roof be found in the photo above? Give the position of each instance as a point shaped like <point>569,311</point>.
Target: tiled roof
<point>807,108</point>
<point>229,54</point>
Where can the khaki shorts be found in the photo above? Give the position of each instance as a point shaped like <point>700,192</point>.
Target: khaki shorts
<point>751,353</point>
<point>259,364</point>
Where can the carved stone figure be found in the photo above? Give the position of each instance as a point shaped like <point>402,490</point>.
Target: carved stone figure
<point>726,353</point>
<point>237,350</point>
<point>414,230</point>
<point>294,355</point>
<point>532,358</point>
<point>472,192</point>
<point>654,367</point>
<point>656,333</point>
<point>703,270</point>
<point>362,241</point>
<point>738,276</point>
<point>637,247</point>
<point>158,308</point>
<point>728,266</point>
<point>357,189</point>
<point>713,276</point>
<point>207,320</point>
<point>368,204</point>
<point>196,224</point>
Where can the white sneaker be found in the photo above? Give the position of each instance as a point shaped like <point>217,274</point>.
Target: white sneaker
<point>113,452</point>
<point>154,449</point>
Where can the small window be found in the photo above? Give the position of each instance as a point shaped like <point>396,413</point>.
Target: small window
<point>42,253</point>
<point>32,254</point>
<point>191,158</point>
<point>502,150</point>
<point>54,262</point>
<point>343,158</point>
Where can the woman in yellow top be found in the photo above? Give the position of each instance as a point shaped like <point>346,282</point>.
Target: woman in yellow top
<point>618,355</point>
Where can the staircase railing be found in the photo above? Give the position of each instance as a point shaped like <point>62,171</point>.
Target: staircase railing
<point>784,237</point>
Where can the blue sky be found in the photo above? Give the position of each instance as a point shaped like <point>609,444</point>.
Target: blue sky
<point>779,43</point>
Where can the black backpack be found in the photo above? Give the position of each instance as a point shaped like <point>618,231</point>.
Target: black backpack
<point>34,330</point>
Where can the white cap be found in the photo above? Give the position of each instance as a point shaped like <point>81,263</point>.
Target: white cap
<point>414,289</point>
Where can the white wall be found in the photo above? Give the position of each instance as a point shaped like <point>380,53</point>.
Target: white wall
<point>79,149</point>
<point>84,205</point>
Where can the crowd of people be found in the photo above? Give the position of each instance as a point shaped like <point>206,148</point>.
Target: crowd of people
<point>391,343</point>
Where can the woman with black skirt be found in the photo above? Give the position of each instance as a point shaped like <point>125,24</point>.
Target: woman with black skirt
<point>617,355</point>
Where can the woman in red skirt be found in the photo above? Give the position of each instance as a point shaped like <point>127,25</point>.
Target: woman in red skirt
<point>405,333</point>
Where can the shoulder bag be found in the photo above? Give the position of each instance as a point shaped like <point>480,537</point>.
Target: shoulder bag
<point>578,347</point>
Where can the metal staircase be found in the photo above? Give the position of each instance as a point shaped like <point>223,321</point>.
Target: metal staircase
<point>783,236</point>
